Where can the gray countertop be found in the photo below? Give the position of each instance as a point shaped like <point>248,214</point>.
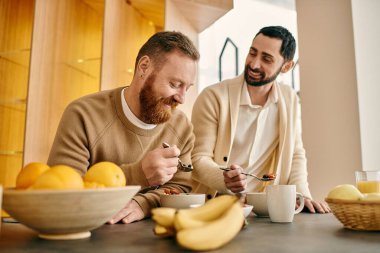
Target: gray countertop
<point>308,233</point>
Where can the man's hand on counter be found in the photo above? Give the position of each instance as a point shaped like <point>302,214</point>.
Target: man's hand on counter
<point>313,206</point>
<point>130,213</point>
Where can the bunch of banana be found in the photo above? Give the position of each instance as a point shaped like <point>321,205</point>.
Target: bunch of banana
<point>164,219</point>
<point>199,228</point>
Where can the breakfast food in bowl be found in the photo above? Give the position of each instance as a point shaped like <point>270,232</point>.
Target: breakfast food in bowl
<point>168,191</point>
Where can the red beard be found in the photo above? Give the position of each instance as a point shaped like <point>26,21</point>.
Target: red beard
<point>154,108</point>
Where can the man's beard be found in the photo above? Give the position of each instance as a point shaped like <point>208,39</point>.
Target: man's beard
<point>153,108</point>
<point>262,81</point>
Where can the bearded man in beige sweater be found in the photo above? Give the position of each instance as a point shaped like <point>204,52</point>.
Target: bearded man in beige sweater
<point>252,122</point>
<point>128,125</point>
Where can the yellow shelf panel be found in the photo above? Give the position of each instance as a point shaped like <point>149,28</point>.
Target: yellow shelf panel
<point>19,57</point>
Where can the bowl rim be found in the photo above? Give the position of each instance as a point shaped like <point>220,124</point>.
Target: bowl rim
<point>247,208</point>
<point>14,191</point>
<point>181,194</point>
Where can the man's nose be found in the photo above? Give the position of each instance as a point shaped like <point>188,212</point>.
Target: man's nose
<point>180,96</point>
<point>255,64</point>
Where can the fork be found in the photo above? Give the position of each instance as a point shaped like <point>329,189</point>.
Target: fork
<point>266,177</point>
<point>181,166</point>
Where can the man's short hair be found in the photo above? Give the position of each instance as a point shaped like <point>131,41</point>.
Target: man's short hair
<point>162,43</point>
<point>288,47</point>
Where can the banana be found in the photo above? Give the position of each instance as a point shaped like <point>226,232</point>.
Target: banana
<point>197,217</point>
<point>212,209</point>
<point>163,231</point>
<point>182,220</point>
<point>209,236</point>
<point>164,216</point>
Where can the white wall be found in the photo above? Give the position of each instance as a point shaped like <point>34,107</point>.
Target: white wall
<point>367,52</point>
<point>175,21</point>
<point>329,100</point>
<point>240,24</point>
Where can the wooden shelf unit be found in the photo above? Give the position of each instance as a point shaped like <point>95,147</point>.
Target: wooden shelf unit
<point>55,51</point>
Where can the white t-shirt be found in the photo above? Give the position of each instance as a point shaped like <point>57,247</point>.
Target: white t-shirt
<point>131,117</point>
<point>256,136</point>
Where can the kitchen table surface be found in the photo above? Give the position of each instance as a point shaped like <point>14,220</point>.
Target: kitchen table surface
<point>308,233</point>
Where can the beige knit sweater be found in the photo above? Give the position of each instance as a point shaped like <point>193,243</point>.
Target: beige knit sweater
<point>215,116</point>
<point>94,129</point>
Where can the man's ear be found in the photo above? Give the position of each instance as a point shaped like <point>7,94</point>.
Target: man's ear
<point>144,64</point>
<point>287,66</point>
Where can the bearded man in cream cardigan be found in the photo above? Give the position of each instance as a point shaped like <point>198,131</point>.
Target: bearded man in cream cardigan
<point>252,122</point>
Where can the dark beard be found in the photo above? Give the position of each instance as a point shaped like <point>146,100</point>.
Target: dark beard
<point>152,107</point>
<point>263,80</point>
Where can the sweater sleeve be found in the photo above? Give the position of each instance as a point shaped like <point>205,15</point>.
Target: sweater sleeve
<point>205,118</point>
<point>149,197</point>
<point>71,146</point>
<point>134,174</point>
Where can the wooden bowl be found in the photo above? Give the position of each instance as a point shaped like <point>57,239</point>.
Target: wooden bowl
<point>66,214</point>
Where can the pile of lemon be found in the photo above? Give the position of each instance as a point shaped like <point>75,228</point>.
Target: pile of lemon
<point>37,175</point>
<point>350,192</point>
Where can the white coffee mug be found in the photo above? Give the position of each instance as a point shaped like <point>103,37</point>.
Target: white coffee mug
<point>282,202</point>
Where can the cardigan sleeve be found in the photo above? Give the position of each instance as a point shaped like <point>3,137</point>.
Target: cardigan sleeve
<point>298,172</point>
<point>205,119</point>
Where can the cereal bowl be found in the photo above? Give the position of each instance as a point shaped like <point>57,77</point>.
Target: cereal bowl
<point>182,200</point>
<point>66,214</point>
<point>259,202</point>
<point>247,209</point>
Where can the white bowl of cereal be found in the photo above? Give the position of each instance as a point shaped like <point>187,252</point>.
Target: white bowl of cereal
<point>182,200</point>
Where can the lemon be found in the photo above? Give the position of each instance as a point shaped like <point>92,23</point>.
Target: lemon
<point>59,177</point>
<point>106,173</point>
<point>373,196</point>
<point>92,185</point>
<point>29,174</point>
<point>346,192</point>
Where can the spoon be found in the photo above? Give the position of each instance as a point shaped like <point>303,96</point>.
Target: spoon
<point>266,177</point>
<point>181,166</point>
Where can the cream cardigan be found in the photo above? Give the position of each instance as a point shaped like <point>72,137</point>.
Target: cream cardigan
<point>214,117</point>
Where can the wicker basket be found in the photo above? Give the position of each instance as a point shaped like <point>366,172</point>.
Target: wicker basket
<point>357,215</point>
